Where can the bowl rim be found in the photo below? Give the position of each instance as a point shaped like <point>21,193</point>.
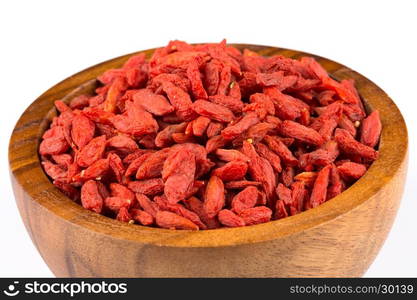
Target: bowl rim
<point>40,189</point>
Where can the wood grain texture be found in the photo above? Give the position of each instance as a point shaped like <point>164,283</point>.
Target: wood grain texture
<point>339,238</point>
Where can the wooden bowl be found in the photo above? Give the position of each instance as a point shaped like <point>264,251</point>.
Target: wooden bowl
<point>339,238</point>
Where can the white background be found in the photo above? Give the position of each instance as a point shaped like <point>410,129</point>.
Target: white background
<point>43,42</point>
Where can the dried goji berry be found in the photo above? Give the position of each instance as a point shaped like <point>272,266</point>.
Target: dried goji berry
<point>232,103</point>
<point>169,220</point>
<point>260,169</point>
<point>153,103</point>
<point>200,125</point>
<point>123,143</point>
<point>214,196</point>
<point>194,76</point>
<point>349,145</point>
<point>141,217</point>
<point>178,209</point>
<point>298,194</point>
<point>319,192</point>
<point>95,171</point>
<point>284,194</point>
<point>91,152</point>
<point>152,166</point>
<point>214,128</point>
<point>231,155</point>
<point>213,111</point>
<point>79,102</point>
<point>90,196</point>
<point>232,131</point>
<point>82,131</point>
<point>164,137</point>
<point>281,149</point>
<point>123,215</point>
<point>300,132</point>
<point>256,215</point>
<point>64,159</point>
<point>116,203</point>
<point>175,79</point>
<point>56,172</point>
<point>276,79</point>
<point>347,124</point>
<point>270,156</point>
<point>371,129</point>
<point>351,170</point>
<point>114,93</point>
<point>287,175</point>
<point>225,79</point>
<point>72,192</point>
<point>230,219</point>
<point>54,142</point>
<point>181,138</point>
<point>197,206</point>
<point>307,178</point>
<point>245,199</point>
<point>336,185</point>
<point>179,99</point>
<point>240,184</point>
<point>179,173</point>
<point>212,76</point>
<point>147,187</point>
<point>135,121</point>
<point>147,205</point>
<point>233,170</point>
<point>214,143</point>
<point>280,210</point>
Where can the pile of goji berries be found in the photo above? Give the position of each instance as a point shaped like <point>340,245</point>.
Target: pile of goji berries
<point>204,136</point>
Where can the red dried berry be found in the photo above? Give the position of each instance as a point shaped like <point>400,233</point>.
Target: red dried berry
<point>351,170</point>
<point>153,103</point>
<point>82,131</point>
<point>149,187</point>
<point>231,155</point>
<point>214,196</point>
<point>91,152</point>
<point>90,196</point>
<point>230,219</point>
<point>284,194</point>
<point>270,156</point>
<point>256,215</point>
<point>141,217</point>
<point>371,129</point>
<point>351,146</point>
<point>300,132</point>
<point>260,169</point>
<point>319,192</point>
<point>152,166</point>
<point>179,173</point>
<point>232,131</point>
<point>147,205</point>
<point>245,199</point>
<point>234,104</point>
<point>213,111</point>
<point>169,220</point>
<point>233,170</point>
<point>122,143</point>
<point>123,215</point>
<point>281,149</point>
<point>240,184</point>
